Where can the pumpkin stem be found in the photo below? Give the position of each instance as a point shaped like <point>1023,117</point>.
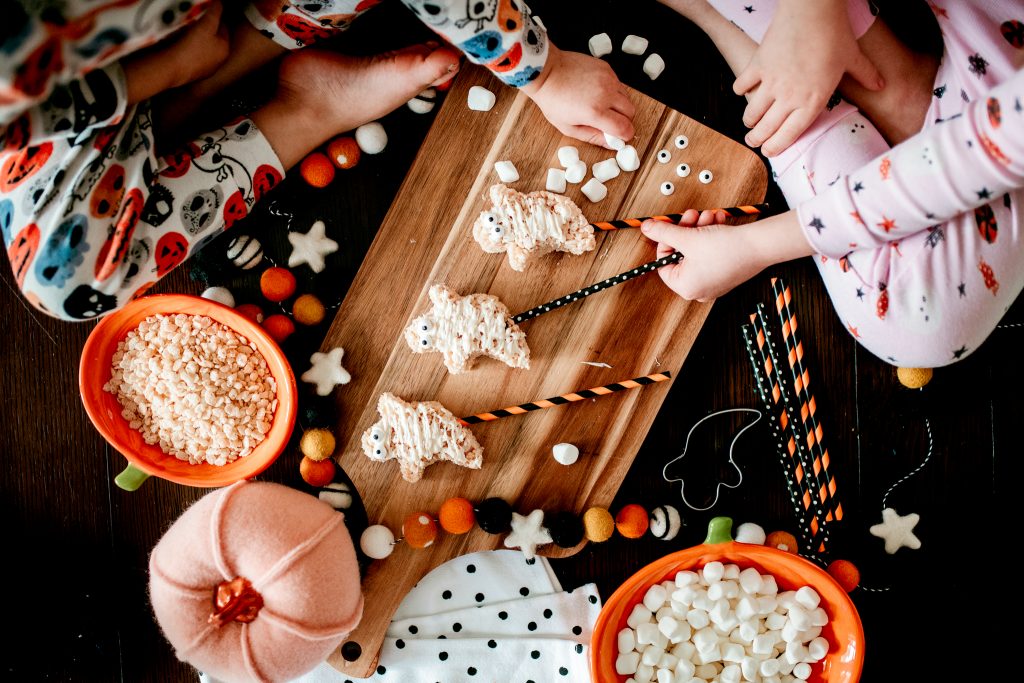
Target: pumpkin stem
<point>719,531</point>
<point>235,600</point>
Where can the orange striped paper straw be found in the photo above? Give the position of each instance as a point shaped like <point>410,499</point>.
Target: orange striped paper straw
<point>627,223</point>
<point>572,397</point>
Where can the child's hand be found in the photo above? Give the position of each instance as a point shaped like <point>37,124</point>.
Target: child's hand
<point>804,54</point>
<point>582,97</point>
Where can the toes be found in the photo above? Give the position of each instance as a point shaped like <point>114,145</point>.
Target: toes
<point>427,66</point>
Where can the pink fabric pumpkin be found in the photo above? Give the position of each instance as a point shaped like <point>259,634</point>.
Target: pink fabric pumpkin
<point>278,568</point>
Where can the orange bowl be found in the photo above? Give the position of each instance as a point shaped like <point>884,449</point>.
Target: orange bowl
<point>844,632</point>
<point>105,411</point>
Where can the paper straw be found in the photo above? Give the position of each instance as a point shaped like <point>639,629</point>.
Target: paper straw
<point>648,267</point>
<point>627,223</point>
<point>567,398</point>
<point>808,408</point>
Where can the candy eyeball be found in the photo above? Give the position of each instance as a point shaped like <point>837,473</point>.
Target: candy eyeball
<point>377,436</point>
<point>682,141</point>
<point>667,188</point>
<point>664,156</point>
<point>705,176</point>
<point>683,170</point>
<point>380,450</point>
<point>423,325</point>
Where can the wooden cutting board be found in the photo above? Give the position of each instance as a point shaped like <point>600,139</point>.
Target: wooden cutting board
<point>638,328</point>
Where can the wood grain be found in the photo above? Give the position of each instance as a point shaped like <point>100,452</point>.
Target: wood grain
<point>637,328</point>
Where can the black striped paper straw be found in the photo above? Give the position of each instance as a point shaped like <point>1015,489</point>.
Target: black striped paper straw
<point>567,398</point>
<point>826,483</point>
<point>648,267</point>
<point>795,446</point>
<point>778,420</point>
<point>627,223</point>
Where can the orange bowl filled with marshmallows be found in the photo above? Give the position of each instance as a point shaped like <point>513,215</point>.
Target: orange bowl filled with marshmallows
<point>187,390</point>
<point>773,616</point>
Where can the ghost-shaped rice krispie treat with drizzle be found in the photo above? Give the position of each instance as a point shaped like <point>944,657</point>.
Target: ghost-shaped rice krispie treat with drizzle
<point>419,434</point>
<point>464,327</point>
<point>531,224</point>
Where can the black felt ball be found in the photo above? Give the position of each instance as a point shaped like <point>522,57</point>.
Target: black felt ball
<point>566,529</point>
<point>318,412</point>
<point>494,515</point>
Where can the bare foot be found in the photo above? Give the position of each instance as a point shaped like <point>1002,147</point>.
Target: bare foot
<point>694,10</point>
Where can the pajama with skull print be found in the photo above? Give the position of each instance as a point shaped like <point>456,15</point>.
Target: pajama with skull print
<point>91,216</point>
<point>921,246</point>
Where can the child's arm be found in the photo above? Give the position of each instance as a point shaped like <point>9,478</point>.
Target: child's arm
<point>808,48</point>
<point>579,95</point>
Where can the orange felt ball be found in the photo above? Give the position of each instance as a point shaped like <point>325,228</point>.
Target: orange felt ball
<point>279,327</point>
<point>419,530</point>
<point>317,473</point>
<point>251,311</point>
<point>456,516</point>
<point>317,170</point>
<point>308,310</point>
<point>845,573</point>
<point>632,521</point>
<point>344,151</point>
<point>783,540</point>
<point>277,284</point>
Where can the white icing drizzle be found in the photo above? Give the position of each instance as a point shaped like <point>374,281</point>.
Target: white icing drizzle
<point>418,435</point>
<point>464,327</point>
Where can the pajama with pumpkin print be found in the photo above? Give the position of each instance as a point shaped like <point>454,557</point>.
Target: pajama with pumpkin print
<point>920,245</point>
<point>91,216</point>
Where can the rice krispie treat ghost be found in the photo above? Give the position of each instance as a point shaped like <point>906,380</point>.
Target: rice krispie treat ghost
<point>464,327</point>
<point>419,434</point>
<point>531,224</point>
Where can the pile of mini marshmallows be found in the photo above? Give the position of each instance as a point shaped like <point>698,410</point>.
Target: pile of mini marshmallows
<point>724,625</point>
<point>601,45</point>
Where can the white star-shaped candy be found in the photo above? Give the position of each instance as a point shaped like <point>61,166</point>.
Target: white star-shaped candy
<point>527,533</point>
<point>897,530</point>
<point>311,247</point>
<point>327,371</point>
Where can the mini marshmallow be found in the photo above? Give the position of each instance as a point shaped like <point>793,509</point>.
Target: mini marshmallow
<point>563,453</point>
<point>795,653</point>
<point>748,532</point>
<point>627,663</point>
<point>655,597</point>
<point>668,626</point>
<point>556,183</point>
<point>746,607</point>
<point>685,595</point>
<point>667,188</point>
<point>705,639</point>
<point>480,98</point>
<point>799,617</point>
<point>706,671</point>
<point>769,667</point>
<point>644,673</point>
<point>808,597</point>
<point>685,651</point>
<point>709,656</point>
<point>668,661</point>
<point>665,675</point>
<point>371,138</point>
<point>605,170</point>
<point>654,65</point>
<point>685,669</point>
<point>651,655</point>
<point>790,633</point>
<point>817,649</point>
<point>646,634</point>
<point>506,171</point>
<point>775,621</point>
<point>697,619</point>
<point>568,155</point>
<point>716,591</point>
<point>600,45</point>
<point>664,156</point>
<point>627,159</point>
<point>221,295</point>
<point>810,634</point>
<point>686,578</point>
<point>730,674</point>
<point>763,644</point>
<point>802,671</point>
<point>614,142</point>
<point>768,585</point>
<point>748,631</point>
<point>575,172</point>
<point>666,611</point>
<point>732,572</point>
<point>626,640</point>
<point>766,604</point>
<point>639,615</point>
<point>732,653</point>
<point>705,176</point>
<point>750,581</point>
<point>787,599</point>
<point>634,45</point>
<point>748,667</point>
<point>594,189</point>
<point>818,617</point>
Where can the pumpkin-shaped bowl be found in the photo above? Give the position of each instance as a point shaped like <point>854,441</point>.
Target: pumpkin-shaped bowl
<point>845,633</point>
<point>147,459</point>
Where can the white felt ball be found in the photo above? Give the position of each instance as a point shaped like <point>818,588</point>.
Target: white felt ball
<point>595,190</point>
<point>556,180</point>
<point>424,102</point>
<point>634,45</point>
<point>480,99</point>
<point>336,494</point>
<point>568,155</point>
<point>665,522</point>
<point>705,176</point>
<point>506,171</point>
<point>654,65</point>
<point>614,142</point>
<point>565,453</point>
<point>245,252</point>
<point>377,542</point>
<point>667,188</point>
<point>627,159</point>
<point>576,172</point>
<point>748,532</point>
<point>600,45</point>
<point>221,295</point>
<point>606,170</point>
<point>371,138</point>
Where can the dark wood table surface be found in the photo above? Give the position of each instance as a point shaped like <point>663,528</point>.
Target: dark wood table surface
<point>75,570</point>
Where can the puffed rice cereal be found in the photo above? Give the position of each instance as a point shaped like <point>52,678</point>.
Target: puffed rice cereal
<point>196,388</point>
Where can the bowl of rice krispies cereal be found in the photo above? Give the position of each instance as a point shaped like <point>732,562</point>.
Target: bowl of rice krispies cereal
<point>187,390</point>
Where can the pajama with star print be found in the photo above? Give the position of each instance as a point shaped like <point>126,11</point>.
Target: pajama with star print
<point>91,216</point>
<point>921,246</point>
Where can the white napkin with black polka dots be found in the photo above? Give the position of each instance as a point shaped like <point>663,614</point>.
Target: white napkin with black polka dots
<point>490,617</point>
